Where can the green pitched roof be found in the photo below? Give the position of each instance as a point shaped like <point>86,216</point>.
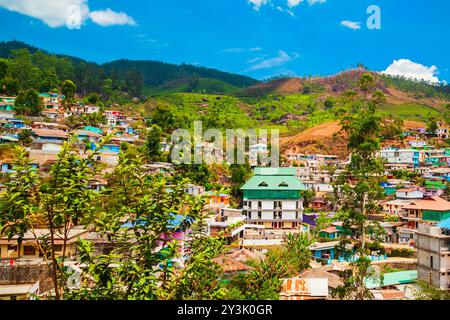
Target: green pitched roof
<point>274,179</point>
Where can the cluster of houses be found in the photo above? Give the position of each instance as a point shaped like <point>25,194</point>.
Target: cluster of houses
<point>49,132</point>
<point>414,216</point>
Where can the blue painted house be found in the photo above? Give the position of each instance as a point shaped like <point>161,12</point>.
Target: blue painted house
<point>15,123</point>
<point>107,148</point>
<point>49,136</point>
<point>93,129</point>
<point>324,250</point>
<point>8,167</point>
<point>329,233</point>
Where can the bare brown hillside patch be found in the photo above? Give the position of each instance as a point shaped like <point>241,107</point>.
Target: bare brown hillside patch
<point>326,138</point>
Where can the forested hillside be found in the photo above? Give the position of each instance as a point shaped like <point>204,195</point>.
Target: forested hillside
<point>29,67</point>
<point>181,94</point>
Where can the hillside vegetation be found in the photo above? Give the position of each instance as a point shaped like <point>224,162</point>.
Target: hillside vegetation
<point>45,71</point>
<point>177,95</point>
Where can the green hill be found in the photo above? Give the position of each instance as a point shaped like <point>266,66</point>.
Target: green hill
<point>129,77</point>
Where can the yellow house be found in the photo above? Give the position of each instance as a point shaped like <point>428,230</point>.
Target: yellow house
<point>29,248</point>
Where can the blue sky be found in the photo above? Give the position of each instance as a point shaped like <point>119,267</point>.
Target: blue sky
<point>259,38</point>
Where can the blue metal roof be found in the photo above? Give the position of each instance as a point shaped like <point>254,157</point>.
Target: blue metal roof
<point>445,224</point>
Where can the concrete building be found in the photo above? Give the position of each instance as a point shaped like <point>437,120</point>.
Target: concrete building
<point>433,254</point>
<point>272,198</point>
<point>408,194</point>
<point>431,210</point>
<point>410,157</point>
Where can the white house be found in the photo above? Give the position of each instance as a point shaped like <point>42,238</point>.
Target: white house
<point>404,156</point>
<point>417,143</point>
<point>412,193</point>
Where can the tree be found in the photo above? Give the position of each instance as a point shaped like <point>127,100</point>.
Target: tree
<point>366,83</point>
<point>263,282</point>
<point>23,70</point>
<point>16,204</point>
<point>432,127</point>
<point>354,286</point>
<point>365,168</point>
<point>134,82</point>
<point>68,89</point>
<point>392,129</point>
<point>107,89</point>
<point>307,89</point>
<point>142,217</point>
<point>93,98</point>
<point>307,196</point>
<point>58,202</point>
<point>163,117</point>
<point>240,173</point>
<point>25,138</point>
<point>359,185</point>
<point>322,222</point>
<point>297,252</point>
<point>153,143</point>
<point>49,80</point>
<point>28,103</point>
<point>3,69</point>
<point>328,104</point>
<point>9,86</point>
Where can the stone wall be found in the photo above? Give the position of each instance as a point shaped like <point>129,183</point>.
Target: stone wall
<point>27,273</point>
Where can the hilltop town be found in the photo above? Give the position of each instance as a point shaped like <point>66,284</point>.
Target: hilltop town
<point>91,202</point>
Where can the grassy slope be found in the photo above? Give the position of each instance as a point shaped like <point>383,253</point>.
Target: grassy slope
<point>409,111</point>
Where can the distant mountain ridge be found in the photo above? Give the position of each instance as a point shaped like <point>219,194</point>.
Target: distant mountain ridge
<point>154,74</point>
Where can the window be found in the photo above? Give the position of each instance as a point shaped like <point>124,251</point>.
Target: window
<point>58,247</point>
<point>283,184</point>
<point>12,247</point>
<point>29,251</point>
<point>263,184</point>
<point>431,262</point>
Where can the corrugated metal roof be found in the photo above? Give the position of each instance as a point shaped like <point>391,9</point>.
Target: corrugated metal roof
<point>445,224</point>
<point>393,278</point>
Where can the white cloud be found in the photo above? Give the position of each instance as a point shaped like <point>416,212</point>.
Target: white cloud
<point>70,13</point>
<point>313,2</point>
<point>294,3</point>
<point>257,3</point>
<point>256,59</point>
<point>106,18</point>
<point>351,24</point>
<point>282,58</point>
<point>241,50</point>
<point>412,70</point>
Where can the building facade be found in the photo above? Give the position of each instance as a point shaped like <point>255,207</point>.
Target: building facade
<point>433,255</point>
<point>272,198</point>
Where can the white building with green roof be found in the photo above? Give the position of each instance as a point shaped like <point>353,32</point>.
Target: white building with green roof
<point>272,198</point>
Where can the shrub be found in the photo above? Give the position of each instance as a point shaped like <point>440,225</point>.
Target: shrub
<point>403,253</point>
